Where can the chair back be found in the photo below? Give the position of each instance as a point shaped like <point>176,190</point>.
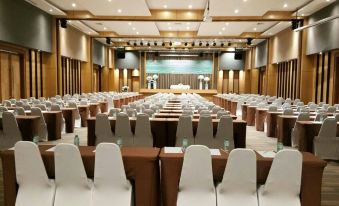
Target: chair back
<point>20,111</point>
<point>149,112</point>
<point>184,130</point>
<point>288,111</point>
<point>123,129</point>
<point>284,177</point>
<point>3,109</point>
<point>328,128</point>
<point>222,113</point>
<point>331,109</point>
<point>103,131</point>
<point>225,130</point>
<point>113,112</point>
<point>196,177</point>
<point>143,134</point>
<point>204,134</point>
<point>11,130</point>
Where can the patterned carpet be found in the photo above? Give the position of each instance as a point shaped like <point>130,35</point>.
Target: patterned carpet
<point>255,140</point>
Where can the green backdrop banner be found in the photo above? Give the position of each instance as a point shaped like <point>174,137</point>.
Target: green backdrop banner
<point>179,66</point>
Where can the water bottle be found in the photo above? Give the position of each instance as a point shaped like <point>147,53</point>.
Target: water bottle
<point>36,140</point>
<point>226,144</point>
<point>184,144</point>
<point>119,142</point>
<point>280,146</point>
<point>133,114</point>
<point>76,140</point>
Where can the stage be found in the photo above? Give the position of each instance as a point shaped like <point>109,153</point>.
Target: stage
<point>205,93</point>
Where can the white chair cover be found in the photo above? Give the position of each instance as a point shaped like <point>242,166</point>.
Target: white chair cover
<point>239,183</point>
<point>11,131</point>
<point>283,183</point>
<point>225,129</point>
<point>123,129</point>
<point>103,131</point>
<point>196,182</point>
<point>184,130</point>
<point>204,134</point>
<point>143,134</point>
<point>326,144</point>
<point>72,186</point>
<point>43,127</point>
<point>111,186</point>
<point>35,189</point>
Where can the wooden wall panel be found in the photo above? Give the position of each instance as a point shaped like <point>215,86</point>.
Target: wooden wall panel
<point>287,79</point>
<point>70,76</point>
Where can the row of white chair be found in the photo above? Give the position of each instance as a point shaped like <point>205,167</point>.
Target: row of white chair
<point>239,183</point>
<point>71,185</point>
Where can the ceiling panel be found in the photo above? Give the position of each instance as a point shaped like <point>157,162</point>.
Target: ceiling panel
<point>314,6</point>
<point>107,7</point>
<point>177,4</point>
<point>276,28</point>
<point>178,26</point>
<point>232,28</point>
<point>47,7</point>
<point>125,28</point>
<point>251,7</point>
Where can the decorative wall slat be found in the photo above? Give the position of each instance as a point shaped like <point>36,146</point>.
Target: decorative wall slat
<point>287,79</point>
<point>70,76</point>
<point>324,80</point>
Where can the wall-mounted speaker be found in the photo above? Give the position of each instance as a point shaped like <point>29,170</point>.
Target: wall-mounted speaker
<point>238,55</point>
<point>120,53</point>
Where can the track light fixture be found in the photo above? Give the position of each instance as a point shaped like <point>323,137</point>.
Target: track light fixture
<point>186,44</point>
<point>249,41</point>
<point>135,44</point>
<point>207,44</point>
<point>229,43</point>
<point>214,44</point>
<point>108,40</point>
<point>141,43</point>
<point>128,43</point>
<point>222,44</point>
<point>296,23</point>
<point>163,44</point>
<point>193,44</point>
<point>148,44</point>
<point>155,43</point>
<point>170,43</point>
<point>200,43</point>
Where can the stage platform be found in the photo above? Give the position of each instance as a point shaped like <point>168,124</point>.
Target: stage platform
<point>205,93</point>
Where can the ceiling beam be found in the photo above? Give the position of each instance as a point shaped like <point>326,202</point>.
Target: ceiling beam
<point>179,15</point>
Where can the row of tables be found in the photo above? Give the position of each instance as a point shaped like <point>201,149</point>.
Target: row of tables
<point>143,170</point>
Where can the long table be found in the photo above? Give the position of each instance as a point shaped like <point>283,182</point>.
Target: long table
<point>177,115</point>
<point>171,165</point>
<point>164,130</point>
<point>307,130</point>
<point>141,166</point>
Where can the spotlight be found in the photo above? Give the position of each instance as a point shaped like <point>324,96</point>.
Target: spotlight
<point>214,44</point>
<point>229,43</point>
<point>148,44</point>
<point>200,43</point>
<point>222,44</point>
<point>163,44</point>
<point>207,44</point>
<point>170,43</point>
<point>141,43</point>
<point>193,44</point>
<point>135,44</point>
<point>249,41</point>
<point>185,43</point>
<point>155,43</point>
<point>108,40</point>
<point>128,43</point>
<point>296,23</point>
<point>63,23</point>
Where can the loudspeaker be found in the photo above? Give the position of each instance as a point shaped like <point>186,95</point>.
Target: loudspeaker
<point>63,23</point>
<point>238,55</point>
<point>121,53</point>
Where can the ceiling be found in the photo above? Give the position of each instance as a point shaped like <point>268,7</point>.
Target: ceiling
<point>225,20</point>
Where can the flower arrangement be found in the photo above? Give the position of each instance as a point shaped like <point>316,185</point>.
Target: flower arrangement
<point>125,88</point>
<point>206,79</point>
<point>149,78</point>
<point>155,77</point>
<point>201,77</point>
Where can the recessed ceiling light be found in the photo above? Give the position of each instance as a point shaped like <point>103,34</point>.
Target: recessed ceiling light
<point>165,6</point>
<point>227,23</point>
<point>74,5</point>
<point>51,10</point>
<point>190,6</point>
<point>302,14</point>
<point>120,39</point>
<point>285,5</point>
<point>137,32</point>
<point>188,23</point>
<point>244,0</point>
<point>255,29</point>
<point>220,32</point>
<point>130,23</point>
<point>105,28</point>
<point>328,0</point>
<point>223,28</point>
<point>169,28</point>
<point>89,32</point>
<point>188,28</point>
<point>236,11</point>
<point>240,40</point>
<point>109,0</point>
<point>119,10</point>
<point>270,33</point>
<point>142,39</point>
<point>69,21</point>
<point>133,28</point>
<point>168,23</point>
